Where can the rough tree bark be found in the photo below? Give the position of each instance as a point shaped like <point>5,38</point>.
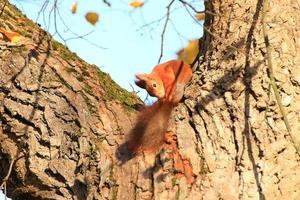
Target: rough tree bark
<point>63,122</point>
<point>61,118</point>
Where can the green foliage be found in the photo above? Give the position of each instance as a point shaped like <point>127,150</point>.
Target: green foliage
<point>114,91</point>
<point>65,53</point>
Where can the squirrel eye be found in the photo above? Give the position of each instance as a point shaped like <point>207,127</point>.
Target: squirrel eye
<point>154,85</point>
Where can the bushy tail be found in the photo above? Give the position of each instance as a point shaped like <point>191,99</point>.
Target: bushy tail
<point>151,125</point>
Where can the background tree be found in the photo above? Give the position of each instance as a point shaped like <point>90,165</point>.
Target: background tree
<point>63,121</point>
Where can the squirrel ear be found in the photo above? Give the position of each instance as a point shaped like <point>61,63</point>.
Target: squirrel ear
<point>141,80</point>
<point>142,77</point>
<point>141,84</point>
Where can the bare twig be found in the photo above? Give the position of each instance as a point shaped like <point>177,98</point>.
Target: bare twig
<point>147,96</point>
<point>52,10</point>
<point>55,13</point>
<point>106,3</point>
<point>76,35</point>
<point>268,58</point>
<point>164,30</point>
<point>133,90</point>
<point>156,21</point>
<point>42,11</point>
<point>152,22</point>
<point>189,5</point>
<point>180,36</point>
<point>55,22</point>
<point>8,173</point>
<point>195,10</point>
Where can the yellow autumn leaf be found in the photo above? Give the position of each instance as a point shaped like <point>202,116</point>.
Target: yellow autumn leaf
<point>189,53</point>
<point>136,4</point>
<point>11,36</point>
<point>15,38</point>
<point>92,17</point>
<point>74,7</point>
<point>200,16</point>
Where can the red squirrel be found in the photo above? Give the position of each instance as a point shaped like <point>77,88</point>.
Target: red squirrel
<point>166,82</point>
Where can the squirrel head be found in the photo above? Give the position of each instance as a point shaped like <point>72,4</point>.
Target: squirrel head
<point>154,85</point>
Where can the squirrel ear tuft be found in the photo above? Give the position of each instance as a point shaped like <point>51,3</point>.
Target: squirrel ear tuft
<point>142,77</point>
<point>141,80</point>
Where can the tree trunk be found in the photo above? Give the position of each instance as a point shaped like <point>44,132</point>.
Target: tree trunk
<point>243,146</point>
<point>61,119</point>
<point>64,123</point>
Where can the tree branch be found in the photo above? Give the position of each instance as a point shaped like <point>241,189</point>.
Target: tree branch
<point>106,3</point>
<point>164,30</point>
<point>8,173</point>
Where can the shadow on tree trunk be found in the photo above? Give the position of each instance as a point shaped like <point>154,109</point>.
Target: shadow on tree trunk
<point>248,83</point>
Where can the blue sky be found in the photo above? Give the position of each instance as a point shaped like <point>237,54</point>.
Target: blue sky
<point>131,37</point>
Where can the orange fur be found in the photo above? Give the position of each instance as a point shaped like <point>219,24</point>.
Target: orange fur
<point>169,78</point>
<point>151,124</point>
<point>166,82</point>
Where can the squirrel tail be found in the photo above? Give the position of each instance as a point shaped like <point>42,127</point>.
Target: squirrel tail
<point>149,131</point>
